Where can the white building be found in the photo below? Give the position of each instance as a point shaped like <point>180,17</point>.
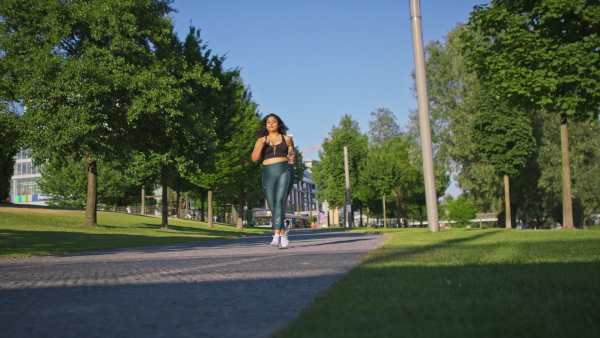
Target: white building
<point>302,197</point>
<point>23,188</point>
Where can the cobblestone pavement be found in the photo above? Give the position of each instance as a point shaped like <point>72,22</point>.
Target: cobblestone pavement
<point>228,288</point>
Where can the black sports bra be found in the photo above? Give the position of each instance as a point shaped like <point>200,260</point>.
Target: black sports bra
<point>271,151</point>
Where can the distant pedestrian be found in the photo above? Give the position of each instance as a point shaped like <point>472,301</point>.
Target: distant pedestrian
<point>277,151</point>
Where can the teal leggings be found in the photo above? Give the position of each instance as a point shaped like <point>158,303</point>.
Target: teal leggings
<point>277,181</point>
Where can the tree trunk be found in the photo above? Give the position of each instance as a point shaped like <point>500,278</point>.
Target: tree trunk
<point>566,175</point>
<point>202,219</point>
<point>165,198</point>
<point>501,211</point>
<point>585,222</point>
<point>404,217</point>
<point>178,204</point>
<point>384,218</point>
<point>187,204</point>
<point>398,210</point>
<point>507,202</point>
<point>210,209</point>
<point>171,204</point>
<point>360,223</point>
<point>92,192</point>
<point>240,214</point>
<point>143,212</point>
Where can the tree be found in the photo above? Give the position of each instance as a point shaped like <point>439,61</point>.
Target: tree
<point>9,145</point>
<point>382,126</point>
<point>389,169</point>
<point>87,73</point>
<point>65,182</point>
<point>541,54</point>
<point>504,136</point>
<point>453,98</point>
<point>181,125</point>
<point>377,178</point>
<point>586,169</point>
<point>329,174</point>
<point>391,172</point>
<point>461,210</point>
<point>235,120</point>
<point>540,189</point>
<point>235,172</point>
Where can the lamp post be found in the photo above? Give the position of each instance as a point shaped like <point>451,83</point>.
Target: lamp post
<point>424,122</point>
<point>348,211</point>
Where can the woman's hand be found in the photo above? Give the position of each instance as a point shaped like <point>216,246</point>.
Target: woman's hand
<point>291,150</point>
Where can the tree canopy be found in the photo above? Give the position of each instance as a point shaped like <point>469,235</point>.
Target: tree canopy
<point>540,54</point>
<point>502,135</point>
<point>86,73</point>
<point>9,145</point>
<point>329,172</point>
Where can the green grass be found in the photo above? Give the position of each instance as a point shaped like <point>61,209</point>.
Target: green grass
<point>454,283</point>
<point>465,283</point>
<point>30,231</point>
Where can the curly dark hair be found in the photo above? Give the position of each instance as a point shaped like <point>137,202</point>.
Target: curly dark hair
<point>262,127</point>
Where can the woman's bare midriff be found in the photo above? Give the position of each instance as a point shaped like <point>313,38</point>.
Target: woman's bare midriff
<point>275,160</point>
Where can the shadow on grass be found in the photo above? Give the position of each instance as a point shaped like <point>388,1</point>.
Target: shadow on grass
<point>483,285</point>
<point>493,300</point>
<point>178,224</point>
<point>27,243</point>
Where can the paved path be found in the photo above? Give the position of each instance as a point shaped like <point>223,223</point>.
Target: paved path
<point>228,288</point>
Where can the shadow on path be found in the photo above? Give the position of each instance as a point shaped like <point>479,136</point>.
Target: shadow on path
<point>241,287</point>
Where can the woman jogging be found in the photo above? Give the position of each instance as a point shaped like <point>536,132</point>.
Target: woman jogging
<point>277,151</point>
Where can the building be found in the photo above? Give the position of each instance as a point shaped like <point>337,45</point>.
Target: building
<point>23,188</point>
<point>302,197</point>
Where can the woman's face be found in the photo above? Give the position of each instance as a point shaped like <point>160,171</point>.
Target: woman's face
<point>272,124</point>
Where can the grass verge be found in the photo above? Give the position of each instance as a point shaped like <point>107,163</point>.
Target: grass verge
<point>30,231</point>
<point>465,283</point>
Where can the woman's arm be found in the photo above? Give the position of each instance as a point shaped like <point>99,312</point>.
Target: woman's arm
<point>258,147</point>
<point>290,143</point>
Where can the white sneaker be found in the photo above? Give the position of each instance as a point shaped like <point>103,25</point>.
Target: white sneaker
<point>275,241</point>
<point>284,242</point>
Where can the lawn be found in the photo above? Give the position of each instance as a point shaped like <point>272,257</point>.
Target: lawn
<point>30,231</point>
<point>453,283</point>
<point>465,283</point>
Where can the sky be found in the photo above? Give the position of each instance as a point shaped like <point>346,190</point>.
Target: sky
<point>313,61</point>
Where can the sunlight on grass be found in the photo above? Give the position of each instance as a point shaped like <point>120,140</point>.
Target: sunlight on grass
<point>465,283</point>
<point>27,231</point>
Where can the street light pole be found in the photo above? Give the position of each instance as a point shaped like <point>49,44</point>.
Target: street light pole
<point>424,122</point>
<point>348,203</point>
